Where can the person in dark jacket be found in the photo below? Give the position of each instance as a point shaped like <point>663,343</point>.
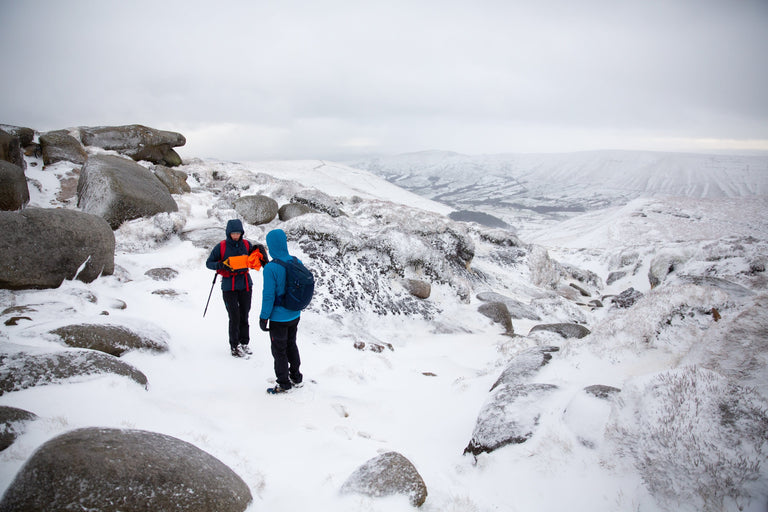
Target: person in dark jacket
<point>236,283</point>
<point>280,322</point>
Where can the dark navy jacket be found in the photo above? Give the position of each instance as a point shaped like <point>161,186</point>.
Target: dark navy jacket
<point>238,280</point>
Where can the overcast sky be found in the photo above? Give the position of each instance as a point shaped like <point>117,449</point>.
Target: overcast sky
<point>336,79</point>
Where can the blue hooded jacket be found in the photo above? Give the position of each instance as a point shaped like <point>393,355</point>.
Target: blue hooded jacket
<point>274,279</point>
<point>240,280</point>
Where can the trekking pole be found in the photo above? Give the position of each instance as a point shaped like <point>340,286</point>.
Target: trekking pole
<point>210,293</point>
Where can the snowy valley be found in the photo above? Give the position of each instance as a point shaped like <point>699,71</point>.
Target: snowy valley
<point>607,351</point>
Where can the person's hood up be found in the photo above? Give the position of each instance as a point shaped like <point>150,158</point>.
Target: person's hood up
<point>235,226</point>
<point>277,243</point>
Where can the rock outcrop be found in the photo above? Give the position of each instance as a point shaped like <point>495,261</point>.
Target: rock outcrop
<point>137,142</point>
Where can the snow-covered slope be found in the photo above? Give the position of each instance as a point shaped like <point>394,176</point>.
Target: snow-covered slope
<point>683,433</point>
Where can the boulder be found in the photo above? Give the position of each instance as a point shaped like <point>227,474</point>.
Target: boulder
<point>524,365</point>
<point>417,288</point>
<point>111,339</point>
<point>162,273</point>
<point>291,210</point>
<point>22,370</point>
<point>60,146</point>
<point>175,180</point>
<point>128,470</point>
<point>516,308</point>
<point>587,414</point>
<point>498,312</point>
<point>25,135</point>
<point>510,416</point>
<point>120,190</point>
<point>256,210</point>
<point>563,329</point>
<point>137,142</point>
<point>387,475</point>
<point>12,424</point>
<point>14,192</point>
<point>10,149</point>
<point>76,246</point>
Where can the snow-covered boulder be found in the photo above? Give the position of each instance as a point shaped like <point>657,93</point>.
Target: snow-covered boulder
<point>14,191</point>
<point>563,329</point>
<point>256,210</point>
<point>587,413</point>
<point>60,146</point>
<point>21,370</point>
<point>136,141</point>
<point>388,474</point>
<point>118,190</point>
<point>627,298</point>
<point>524,365</point>
<point>291,210</point>
<point>318,201</point>
<point>510,416</point>
<point>110,339</point>
<point>76,246</point>
<point>12,424</point>
<point>113,470</point>
<point>516,308</point>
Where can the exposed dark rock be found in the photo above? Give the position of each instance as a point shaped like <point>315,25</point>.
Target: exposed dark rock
<point>21,370</point>
<point>291,210</point>
<point>25,135</point>
<point>175,180</point>
<point>386,475</point>
<point>113,470</point>
<point>60,146</point>
<point>627,298</point>
<point>524,365</point>
<point>510,416</point>
<point>162,274</point>
<point>498,312</point>
<point>602,391</point>
<point>582,291</point>
<point>417,288</point>
<point>563,329</point>
<point>118,190</point>
<point>111,339</point>
<point>14,191</point>
<point>12,424</point>
<point>72,240</point>
<point>137,142</point>
<point>484,219</point>
<point>256,210</point>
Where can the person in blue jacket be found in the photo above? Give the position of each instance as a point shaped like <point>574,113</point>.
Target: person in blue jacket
<point>281,323</point>
<point>236,284</point>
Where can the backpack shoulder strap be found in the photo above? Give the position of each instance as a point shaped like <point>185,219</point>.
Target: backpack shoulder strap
<point>222,248</point>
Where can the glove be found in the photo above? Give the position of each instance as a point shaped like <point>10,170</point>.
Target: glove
<point>223,266</point>
<point>263,324</point>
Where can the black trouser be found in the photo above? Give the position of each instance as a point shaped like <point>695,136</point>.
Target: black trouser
<point>238,304</point>
<point>285,352</point>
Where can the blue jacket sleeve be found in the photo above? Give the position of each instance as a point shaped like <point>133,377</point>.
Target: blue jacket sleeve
<point>269,291</point>
<point>214,258</point>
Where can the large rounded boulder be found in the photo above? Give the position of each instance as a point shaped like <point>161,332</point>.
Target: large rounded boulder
<point>113,470</point>
<point>14,192</point>
<point>119,190</point>
<point>256,210</point>
<point>58,146</point>
<point>41,247</point>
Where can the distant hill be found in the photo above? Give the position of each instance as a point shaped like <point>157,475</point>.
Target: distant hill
<point>520,187</point>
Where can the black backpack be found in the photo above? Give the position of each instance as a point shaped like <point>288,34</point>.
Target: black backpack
<point>299,285</point>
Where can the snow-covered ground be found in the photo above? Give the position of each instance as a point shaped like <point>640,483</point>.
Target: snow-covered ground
<point>422,397</point>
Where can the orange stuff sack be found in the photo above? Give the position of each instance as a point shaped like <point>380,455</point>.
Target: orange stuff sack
<point>237,262</point>
<point>254,260</point>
